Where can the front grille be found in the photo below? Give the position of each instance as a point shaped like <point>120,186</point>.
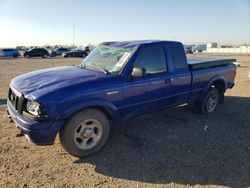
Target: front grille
<point>17,99</point>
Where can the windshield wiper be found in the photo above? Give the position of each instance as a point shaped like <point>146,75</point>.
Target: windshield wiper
<point>105,71</point>
<point>82,65</point>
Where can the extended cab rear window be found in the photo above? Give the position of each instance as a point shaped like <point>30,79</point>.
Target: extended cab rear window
<point>152,58</point>
<point>178,56</point>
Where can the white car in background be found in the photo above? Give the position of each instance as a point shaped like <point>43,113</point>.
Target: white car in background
<point>1,53</point>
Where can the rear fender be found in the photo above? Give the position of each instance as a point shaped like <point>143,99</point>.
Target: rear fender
<point>209,85</point>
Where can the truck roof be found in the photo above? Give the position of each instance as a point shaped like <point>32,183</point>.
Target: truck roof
<point>137,43</point>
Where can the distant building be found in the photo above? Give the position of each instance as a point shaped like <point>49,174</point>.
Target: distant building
<point>200,47</point>
<point>245,47</point>
<point>230,49</point>
<point>212,45</point>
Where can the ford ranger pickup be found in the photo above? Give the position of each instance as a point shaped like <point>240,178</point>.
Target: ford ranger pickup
<point>115,82</point>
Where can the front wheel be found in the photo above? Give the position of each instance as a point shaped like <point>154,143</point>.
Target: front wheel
<point>210,101</point>
<point>85,133</point>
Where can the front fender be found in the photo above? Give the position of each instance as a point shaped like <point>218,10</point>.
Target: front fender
<point>71,108</point>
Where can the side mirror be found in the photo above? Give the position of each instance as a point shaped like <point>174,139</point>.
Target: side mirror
<point>138,72</point>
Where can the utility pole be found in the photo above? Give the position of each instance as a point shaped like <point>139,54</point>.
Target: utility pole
<point>73,34</point>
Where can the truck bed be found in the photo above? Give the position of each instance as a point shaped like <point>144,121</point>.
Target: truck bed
<point>204,63</point>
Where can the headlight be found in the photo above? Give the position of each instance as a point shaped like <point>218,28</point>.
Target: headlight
<point>34,108</point>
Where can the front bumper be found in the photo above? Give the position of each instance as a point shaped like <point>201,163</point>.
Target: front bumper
<point>38,132</point>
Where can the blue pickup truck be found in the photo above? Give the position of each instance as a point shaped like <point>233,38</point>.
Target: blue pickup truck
<point>115,82</point>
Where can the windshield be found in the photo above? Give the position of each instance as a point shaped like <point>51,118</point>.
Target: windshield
<point>108,59</point>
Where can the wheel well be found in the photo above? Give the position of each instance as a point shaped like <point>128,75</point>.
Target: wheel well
<point>104,110</point>
<point>101,108</point>
<point>220,86</point>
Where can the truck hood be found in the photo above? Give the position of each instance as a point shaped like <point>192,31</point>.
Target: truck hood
<point>47,80</point>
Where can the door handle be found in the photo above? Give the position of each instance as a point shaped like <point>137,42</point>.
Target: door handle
<point>169,80</point>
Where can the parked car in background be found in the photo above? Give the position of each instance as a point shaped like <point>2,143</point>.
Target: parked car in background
<point>188,49</point>
<point>11,52</point>
<point>1,53</point>
<point>36,52</point>
<point>87,49</point>
<point>59,51</point>
<point>22,48</point>
<point>75,53</point>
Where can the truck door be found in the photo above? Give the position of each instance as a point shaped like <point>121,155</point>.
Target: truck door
<point>152,91</point>
<point>181,80</point>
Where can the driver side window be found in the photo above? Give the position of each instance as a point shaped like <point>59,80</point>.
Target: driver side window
<point>152,58</point>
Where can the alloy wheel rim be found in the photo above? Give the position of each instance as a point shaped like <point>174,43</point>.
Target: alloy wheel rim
<point>212,102</point>
<point>88,134</point>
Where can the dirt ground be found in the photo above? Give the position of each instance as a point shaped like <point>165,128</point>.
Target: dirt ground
<point>172,148</point>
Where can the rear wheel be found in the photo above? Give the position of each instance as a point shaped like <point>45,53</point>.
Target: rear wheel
<point>85,133</point>
<point>44,56</point>
<point>27,56</point>
<point>210,101</point>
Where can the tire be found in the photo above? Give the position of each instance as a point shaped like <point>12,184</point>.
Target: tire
<point>85,133</point>
<point>27,56</point>
<point>44,56</point>
<point>84,55</point>
<point>210,101</point>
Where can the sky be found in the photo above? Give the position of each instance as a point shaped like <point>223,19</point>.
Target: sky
<point>40,22</point>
